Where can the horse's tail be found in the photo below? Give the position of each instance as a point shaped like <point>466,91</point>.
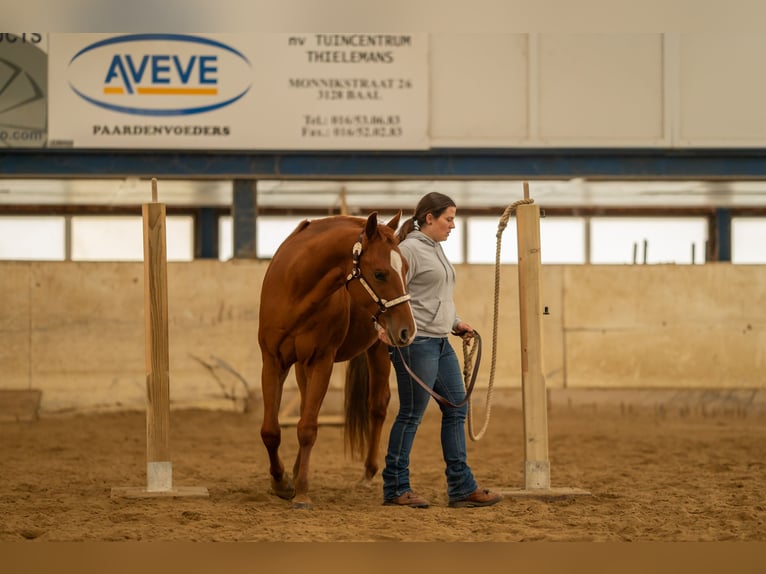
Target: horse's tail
<point>357,429</point>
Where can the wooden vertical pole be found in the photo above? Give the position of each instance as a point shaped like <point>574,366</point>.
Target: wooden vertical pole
<point>537,470</point>
<point>343,203</point>
<point>159,468</point>
<point>537,466</point>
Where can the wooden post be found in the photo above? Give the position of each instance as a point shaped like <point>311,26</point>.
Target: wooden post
<point>537,472</point>
<point>537,466</point>
<point>646,248</point>
<point>343,204</point>
<point>159,468</point>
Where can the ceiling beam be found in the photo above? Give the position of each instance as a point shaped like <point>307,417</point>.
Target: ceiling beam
<point>431,164</point>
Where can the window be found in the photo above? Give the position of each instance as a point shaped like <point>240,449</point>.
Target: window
<point>482,241</point>
<point>118,238</point>
<point>650,239</point>
<point>33,238</point>
<point>225,238</point>
<point>272,231</point>
<point>748,240</point>
<point>453,247</point>
<point>562,240</point>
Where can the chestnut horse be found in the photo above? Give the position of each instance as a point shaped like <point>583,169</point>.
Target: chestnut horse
<point>331,284</point>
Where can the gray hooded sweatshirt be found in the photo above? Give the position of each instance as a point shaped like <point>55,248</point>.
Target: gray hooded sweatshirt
<point>431,284</point>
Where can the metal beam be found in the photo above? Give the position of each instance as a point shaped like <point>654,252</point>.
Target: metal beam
<point>206,234</point>
<point>723,234</point>
<point>244,220</point>
<point>432,164</point>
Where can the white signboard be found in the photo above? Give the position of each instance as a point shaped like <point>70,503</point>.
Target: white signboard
<point>23,89</point>
<point>272,91</point>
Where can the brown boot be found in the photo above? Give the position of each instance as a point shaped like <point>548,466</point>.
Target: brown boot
<point>409,498</point>
<point>479,497</point>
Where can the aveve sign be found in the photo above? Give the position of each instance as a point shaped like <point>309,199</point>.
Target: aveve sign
<point>160,74</point>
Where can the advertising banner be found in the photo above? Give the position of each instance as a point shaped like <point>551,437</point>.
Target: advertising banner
<point>227,91</point>
<point>23,89</point>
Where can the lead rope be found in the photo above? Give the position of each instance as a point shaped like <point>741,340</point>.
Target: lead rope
<point>468,354</point>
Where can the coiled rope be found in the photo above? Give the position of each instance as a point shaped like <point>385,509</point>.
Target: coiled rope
<point>469,351</point>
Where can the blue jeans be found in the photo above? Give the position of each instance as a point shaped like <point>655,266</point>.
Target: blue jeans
<point>434,361</point>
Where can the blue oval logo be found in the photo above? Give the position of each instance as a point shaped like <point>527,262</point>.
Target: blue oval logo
<point>160,74</point>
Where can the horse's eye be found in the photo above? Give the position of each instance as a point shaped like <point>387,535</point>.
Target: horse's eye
<point>380,276</point>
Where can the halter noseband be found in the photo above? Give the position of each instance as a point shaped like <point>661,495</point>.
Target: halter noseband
<point>356,273</point>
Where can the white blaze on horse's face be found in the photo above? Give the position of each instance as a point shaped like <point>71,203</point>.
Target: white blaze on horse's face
<point>396,264</point>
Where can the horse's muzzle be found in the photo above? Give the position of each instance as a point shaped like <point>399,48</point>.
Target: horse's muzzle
<point>401,337</point>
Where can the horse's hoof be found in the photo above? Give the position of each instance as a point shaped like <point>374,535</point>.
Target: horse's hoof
<point>365,482</point>
<point>283,488</point>
<point>302,502</point>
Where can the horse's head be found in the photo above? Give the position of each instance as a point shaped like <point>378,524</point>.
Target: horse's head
<point>381,271</point>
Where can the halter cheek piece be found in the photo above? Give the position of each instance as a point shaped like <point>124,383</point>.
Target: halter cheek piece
<point>356,273</point>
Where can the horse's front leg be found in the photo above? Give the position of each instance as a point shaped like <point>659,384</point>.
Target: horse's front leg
<point>378,399</point>
<point>318,379</point>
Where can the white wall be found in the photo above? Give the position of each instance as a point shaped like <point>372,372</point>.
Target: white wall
<point>75,330</point>
<point>722,90</point>
<point>597,90</point>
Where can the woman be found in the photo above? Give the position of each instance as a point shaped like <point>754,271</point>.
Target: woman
<point>430,282</point>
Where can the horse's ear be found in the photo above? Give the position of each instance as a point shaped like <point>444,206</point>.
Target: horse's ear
<point>371,228</point>
<point>394,221</point>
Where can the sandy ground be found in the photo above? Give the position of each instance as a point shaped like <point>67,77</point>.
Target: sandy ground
<point>651,478</point>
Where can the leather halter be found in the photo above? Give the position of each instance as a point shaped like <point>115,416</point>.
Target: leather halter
<point>383,306</point>
<point>356,273</point>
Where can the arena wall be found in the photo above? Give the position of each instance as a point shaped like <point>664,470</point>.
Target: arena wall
<point>75,331</point>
